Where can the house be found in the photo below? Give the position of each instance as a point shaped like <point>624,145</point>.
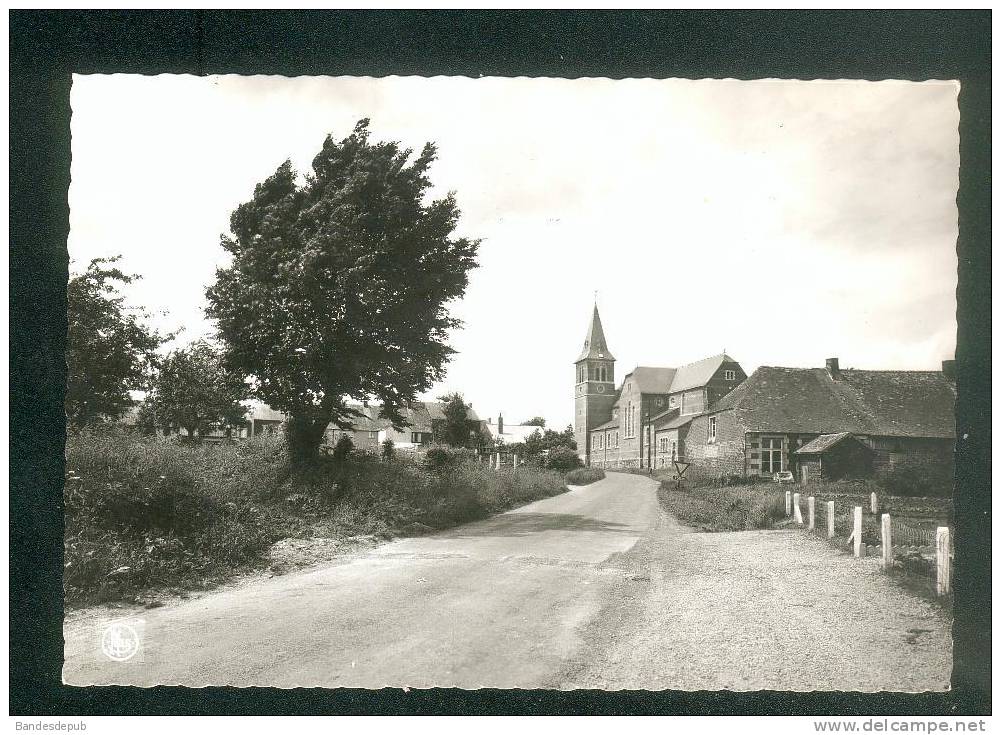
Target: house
<point>617,427</point>
<point>424,424</point>
<point>502,433</point>
<point>788,419</point>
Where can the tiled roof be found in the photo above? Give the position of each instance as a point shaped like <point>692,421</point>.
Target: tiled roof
<point>697,374</point>
<point>822,443</point>
<point>675,380</point>
<point>809,400</point>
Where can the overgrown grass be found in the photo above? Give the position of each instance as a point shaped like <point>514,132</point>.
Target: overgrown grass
<point>584,476</point>
<point>146,514</point>
<point>724,508</point>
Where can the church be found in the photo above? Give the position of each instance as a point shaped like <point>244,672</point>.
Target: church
<point>642,423</point>
<point>811,423</point>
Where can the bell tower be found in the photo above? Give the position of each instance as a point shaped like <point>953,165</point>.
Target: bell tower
<point>594,391</point>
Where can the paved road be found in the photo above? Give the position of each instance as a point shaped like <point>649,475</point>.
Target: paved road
<point>597,588</point>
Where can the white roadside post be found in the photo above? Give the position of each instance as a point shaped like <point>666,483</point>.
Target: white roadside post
<point>788,503</point>
<point>887,541</point>
<point>797,512</point>
<point>857,530</point>
<point>943,562</point>
<point>498,460</point>
<point>830,519</point>
<point>515,465</point>
<point>811,510</point>
<point>873,503</point>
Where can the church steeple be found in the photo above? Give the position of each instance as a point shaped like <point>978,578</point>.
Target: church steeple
<point>594,344</point>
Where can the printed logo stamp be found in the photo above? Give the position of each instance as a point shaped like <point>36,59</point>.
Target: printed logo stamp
<point>120,641</point>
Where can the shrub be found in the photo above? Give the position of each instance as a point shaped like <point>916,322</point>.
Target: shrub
<point>562,459</point>
<point>342,449</point>
<point>388,449</point>
<point>584,476</point>
<point>724,509</point>
<point>916,479</point>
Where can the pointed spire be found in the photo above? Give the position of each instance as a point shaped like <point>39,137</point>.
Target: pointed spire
<point>594,344</point>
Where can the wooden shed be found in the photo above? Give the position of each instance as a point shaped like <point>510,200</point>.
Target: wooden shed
<point>834,457</point>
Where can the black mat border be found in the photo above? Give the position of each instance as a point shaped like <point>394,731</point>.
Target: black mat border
<point>47,46</point>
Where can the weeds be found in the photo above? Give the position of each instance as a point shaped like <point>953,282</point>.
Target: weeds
<point>145,514</point>
<point>584,476</point>
<point>723,508</point>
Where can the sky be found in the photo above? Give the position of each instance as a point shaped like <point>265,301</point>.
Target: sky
<point>782,221</point>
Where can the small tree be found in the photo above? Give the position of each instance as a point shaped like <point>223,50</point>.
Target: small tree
<point>343,449</point>
<point>536,421</point>
<point>109,348</point>
<point>338,286</point>
<point>457,430</point>
<point>195,391</point>
<point>388,449</point>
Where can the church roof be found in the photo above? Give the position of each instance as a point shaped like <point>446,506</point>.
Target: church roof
<point>697,374</point>
<point>594,343</point>
<point>652,379</point>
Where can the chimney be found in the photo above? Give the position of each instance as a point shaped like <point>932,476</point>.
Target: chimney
<point>949,369</point>
<point>500,423</point>
<point>832,368</point>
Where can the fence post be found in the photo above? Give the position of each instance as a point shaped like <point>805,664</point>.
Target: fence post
<point>943,562</point>
<point>811,510</point>
<point>830,519</point>
<point>498,460</point>
<point>873,503</point>
<point>788,503</point>
<point>857,530</point>
<point>515,465</point>
<point>797,513</point>
<point>887,539</point>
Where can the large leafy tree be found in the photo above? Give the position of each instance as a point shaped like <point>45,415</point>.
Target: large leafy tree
<point>195,391</point>
<point>338,285</point>
<point>110,348</point>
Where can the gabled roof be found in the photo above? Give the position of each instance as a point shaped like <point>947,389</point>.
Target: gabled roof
<point>868,402</point>
<point>822,443</point>
<point>674,380</point>
<point>697,374</point>
<point>651,379</point>
<point>594,343</point>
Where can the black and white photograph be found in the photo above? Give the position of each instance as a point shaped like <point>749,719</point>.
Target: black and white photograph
<point>566,384</point>
<point>537,383</point>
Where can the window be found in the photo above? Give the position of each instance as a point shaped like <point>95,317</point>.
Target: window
<point>712,429</point>
<point>616,438</point>
<point>660,402</point>
<point>729,375</point>
<point>672,402</point>
<point>771,455</point>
